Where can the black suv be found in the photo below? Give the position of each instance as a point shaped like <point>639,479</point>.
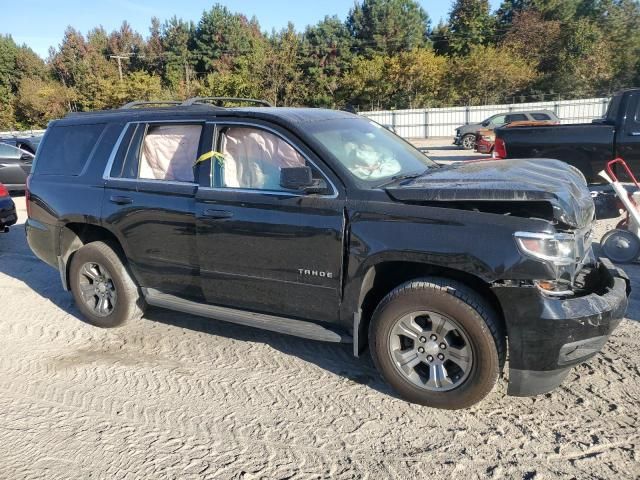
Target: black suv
<point>325,225</point>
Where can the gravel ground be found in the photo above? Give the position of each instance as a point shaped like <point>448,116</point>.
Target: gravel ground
<point>175,396</point>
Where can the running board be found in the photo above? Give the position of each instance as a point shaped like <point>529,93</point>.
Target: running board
<point>289,326</point>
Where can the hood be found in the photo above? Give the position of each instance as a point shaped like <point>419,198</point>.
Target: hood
<point>470,127</point>
<point>515,181</point>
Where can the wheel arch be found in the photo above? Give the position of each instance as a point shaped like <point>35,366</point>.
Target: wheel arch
<point>383,277</point>
<point>73,236</point>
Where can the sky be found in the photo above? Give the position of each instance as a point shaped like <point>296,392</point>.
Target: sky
<point>41,23</point>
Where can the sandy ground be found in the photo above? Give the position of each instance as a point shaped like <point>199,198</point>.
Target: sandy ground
<point>174,396</point>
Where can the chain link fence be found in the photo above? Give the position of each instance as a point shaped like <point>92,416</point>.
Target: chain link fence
<point>442,122</point>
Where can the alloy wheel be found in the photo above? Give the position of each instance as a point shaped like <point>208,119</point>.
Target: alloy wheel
<point>431,351</point>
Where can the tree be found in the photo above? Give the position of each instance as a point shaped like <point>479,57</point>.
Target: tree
<point>40,101</point>
<point>534,38</point>
<point>470,24</point>
<point>388,26</point>
<point>368,82</point>
<point>221,36</point>
<point>153,49</point>
<point>282,79</point>
<point>418,76</point>
<point>177,41</point>
<point>326,56</point>
<point>488,75</point>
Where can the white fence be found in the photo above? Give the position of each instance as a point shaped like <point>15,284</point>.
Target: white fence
<point>442,122</point>
<point>21,133</point>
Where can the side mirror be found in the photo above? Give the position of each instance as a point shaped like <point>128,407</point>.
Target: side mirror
<point>301,179</point>
<point>26,157</point>
<point>486,123</point>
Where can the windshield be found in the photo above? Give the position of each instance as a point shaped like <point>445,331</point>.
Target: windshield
<point>368,151</point>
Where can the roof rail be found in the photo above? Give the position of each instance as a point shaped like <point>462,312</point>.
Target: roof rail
<point>139,103</point>
<point>218,101</point>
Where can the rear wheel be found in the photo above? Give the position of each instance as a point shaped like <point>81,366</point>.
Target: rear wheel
<point>102,287</point>
<point>438,343</point>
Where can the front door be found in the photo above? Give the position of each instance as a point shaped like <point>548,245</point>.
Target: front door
<point>15,166</point>
<point>263,248</point>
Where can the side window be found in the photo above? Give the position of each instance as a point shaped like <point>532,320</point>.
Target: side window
<point>252,159</point>
<point>499,120</point>
<point>7,151</point>
<point>540,116</point>
<point>67,149</point>
<point>168,152</point>
<point>516,117</point>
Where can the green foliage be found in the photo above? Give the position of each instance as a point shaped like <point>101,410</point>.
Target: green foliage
<point>488,75</point>
<point>388,26</point>
<point>382,56</point>
<point>470,24</point>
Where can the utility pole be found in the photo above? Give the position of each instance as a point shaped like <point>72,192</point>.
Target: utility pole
<point>119,58</point>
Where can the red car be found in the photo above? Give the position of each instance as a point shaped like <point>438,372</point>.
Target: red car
<point>8,214</point>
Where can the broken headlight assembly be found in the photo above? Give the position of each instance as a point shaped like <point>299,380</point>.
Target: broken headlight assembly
<point>557,249</point>
<point>560,251</point>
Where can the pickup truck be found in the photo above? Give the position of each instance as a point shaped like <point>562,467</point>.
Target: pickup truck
<point>326,225</point>
<point>585,146</point>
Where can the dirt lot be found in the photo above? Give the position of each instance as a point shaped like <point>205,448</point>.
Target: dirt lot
<point>175,396</point>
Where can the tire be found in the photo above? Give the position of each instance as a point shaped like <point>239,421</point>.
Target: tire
<point>476,329</point>
<point>620,246</point>
<point>468,141</point>
<point>97,265</point>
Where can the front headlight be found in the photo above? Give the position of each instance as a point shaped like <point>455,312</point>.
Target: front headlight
<point>557,249</point>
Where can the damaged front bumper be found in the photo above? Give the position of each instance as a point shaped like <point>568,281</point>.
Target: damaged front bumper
<point>547,336</point>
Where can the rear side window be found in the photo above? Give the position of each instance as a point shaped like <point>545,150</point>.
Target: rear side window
<point>169,152</point>
<point>540,116</point>
<point>67,149</point>
<point>516,117</point>
<point>165,152</point>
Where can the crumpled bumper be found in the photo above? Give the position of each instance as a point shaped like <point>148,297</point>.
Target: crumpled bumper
<point>547,336</point>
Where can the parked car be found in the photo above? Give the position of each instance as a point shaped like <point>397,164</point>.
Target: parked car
<point>28,144</point>
<point>585,146</point>
<point>15,165</point>
<point>325,225</point>
<point>485,139</point>
<point>8,215</point>
<point>466,134</point>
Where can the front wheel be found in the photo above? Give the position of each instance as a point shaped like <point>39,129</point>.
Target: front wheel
<point>102,287</point>
<point>438,343</point>
<point>468,142</point>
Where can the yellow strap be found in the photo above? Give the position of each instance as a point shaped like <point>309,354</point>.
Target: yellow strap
<point>212,154</point>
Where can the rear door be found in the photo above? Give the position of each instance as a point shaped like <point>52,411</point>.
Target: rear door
<point>628,137</point>
<point>261,247</point>
<point>15,166</point>
<point>149,202</point>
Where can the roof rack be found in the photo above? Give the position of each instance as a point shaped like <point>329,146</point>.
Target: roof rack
<point>218,101</point>
<point>139,103</point>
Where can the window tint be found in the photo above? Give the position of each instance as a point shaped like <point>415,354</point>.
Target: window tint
<point>7,151</point>
<point>127,159</point>
<point>67,149</point>
<point>541,116</point>
<point>252,159</point>
<point>168,152</point>
<point>516,117</point>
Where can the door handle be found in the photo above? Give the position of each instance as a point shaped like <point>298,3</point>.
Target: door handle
<point>118,200</point>
<point>213,213</point>
<point>634,134</point>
